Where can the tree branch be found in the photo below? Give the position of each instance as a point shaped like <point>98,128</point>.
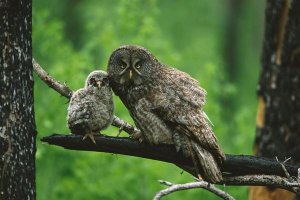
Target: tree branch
<point>65,91</point>
<point>62,89</point>
<point>237,169</point>
<point>276,181</point>
<point>200,184</point>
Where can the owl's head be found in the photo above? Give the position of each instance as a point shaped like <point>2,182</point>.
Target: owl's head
<point>97,79</point>
<point>131,65</point>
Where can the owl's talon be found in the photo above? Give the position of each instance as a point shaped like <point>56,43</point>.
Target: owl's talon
<point>137,136</point>
<point>200,178</point>
<point>89,135</point>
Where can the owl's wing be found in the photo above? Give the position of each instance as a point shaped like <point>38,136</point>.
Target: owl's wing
<point>197,128</point>
<point>184,109</point>
<point>185,87</point>
<point>79,107</point>
<point>78,96</point>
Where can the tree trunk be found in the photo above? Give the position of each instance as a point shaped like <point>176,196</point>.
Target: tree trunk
<point>278,117</point>
<point>17,125</point>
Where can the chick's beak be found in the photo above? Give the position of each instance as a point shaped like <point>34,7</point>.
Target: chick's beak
<point>99,83</point>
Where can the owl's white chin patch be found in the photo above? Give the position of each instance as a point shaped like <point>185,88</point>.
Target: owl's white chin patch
<point>138,80</point>
<point>122,80</point>
<point>134,80</point>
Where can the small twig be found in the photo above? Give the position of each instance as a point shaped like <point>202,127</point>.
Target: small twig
<point>122,125</point>
<point>166,183</point>
<point>287,174</point>
<point>283,167</point>
<point>286,160</point>
<point>201,184</point>
<point>65,91</point>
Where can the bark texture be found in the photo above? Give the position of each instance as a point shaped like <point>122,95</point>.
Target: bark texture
<point>278,119</point>
<point>17,125</point>
<point>234,165</point>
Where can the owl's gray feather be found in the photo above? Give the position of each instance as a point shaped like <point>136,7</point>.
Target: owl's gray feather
<point>166,104</point>
<point>143,110</point>
<point>91,108</point>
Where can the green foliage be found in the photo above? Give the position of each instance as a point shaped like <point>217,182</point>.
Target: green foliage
<point>72,38</point>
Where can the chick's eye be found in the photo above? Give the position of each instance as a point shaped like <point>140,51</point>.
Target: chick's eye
<point>92,80</point>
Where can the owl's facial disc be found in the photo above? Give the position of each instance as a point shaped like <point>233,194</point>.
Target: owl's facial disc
<point>98,82</point>
<point>95,82</point>
<point>96,79</point>
<point>130,73</point>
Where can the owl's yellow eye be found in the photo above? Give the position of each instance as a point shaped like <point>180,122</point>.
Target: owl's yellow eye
<point>138,66</point>
<point>122,66</point>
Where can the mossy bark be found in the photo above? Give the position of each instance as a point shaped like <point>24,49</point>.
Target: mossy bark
<point>17,124</point>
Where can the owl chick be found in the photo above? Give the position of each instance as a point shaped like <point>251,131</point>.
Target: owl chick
<point>91,108</point>
<point>166,105</point>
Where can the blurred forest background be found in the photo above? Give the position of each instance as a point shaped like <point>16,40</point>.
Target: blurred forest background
<point>217,42</point>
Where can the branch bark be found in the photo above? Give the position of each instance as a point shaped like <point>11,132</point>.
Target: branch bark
<point>237,169</point>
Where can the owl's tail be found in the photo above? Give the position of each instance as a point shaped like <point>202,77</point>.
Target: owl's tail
<point>205,164</point>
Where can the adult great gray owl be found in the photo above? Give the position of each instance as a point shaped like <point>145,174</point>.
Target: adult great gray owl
<point>91,108</point>
<point>166,105</point>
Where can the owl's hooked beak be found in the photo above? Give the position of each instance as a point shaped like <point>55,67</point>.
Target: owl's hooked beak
<point>130,74</point>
